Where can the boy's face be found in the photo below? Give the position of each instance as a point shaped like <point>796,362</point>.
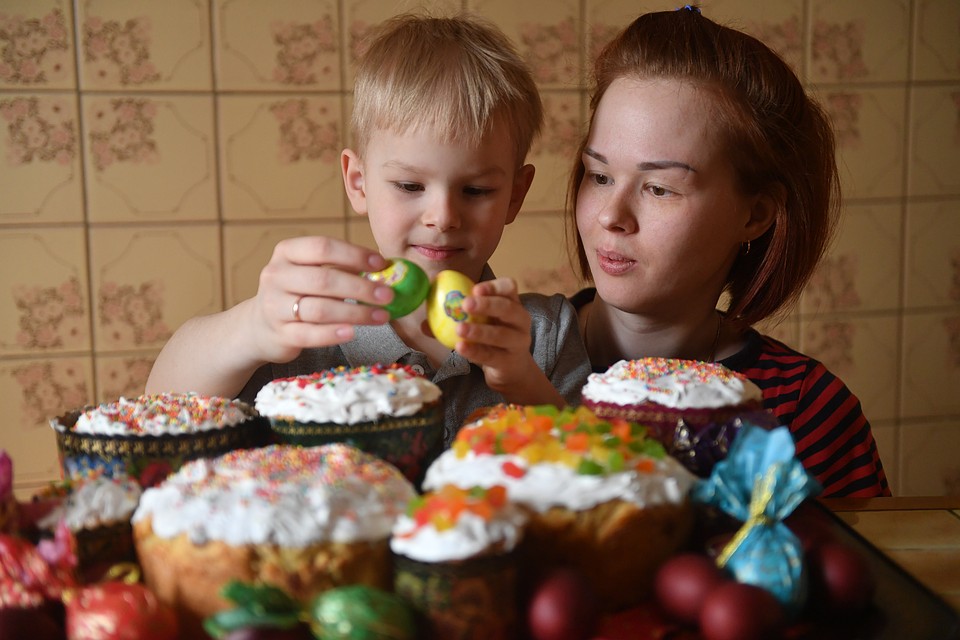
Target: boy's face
<point>442,205</point>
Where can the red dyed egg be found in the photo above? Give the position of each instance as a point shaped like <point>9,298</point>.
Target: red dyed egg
<point>562,607</point>
<point>810,526</point>
<point>840,579</point>
<point>119,611</point>
<point>32,623</point>
<point>738,611</point>
<point>683,582</point>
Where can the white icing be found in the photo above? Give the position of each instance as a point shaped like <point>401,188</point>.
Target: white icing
<point>284,495</point>
<point>549,484</point>
<point>470,536</point>
<point>97,502</point>
<point>677,384</point>
<point>160,414</point>
<point>347,396</point>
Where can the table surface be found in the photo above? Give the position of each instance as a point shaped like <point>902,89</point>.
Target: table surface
<point>921,534</point>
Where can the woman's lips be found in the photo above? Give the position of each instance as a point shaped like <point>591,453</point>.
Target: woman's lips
<point>614,264</point>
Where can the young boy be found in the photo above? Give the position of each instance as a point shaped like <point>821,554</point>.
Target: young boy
<point>444,115</point>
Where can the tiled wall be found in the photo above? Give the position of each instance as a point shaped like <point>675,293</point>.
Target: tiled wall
<point>152,153</point>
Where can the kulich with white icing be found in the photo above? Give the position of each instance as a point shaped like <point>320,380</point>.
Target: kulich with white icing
<point>161,414</point>
<point>348,396</point>
<point>455,524</point>
<point>96,502</point>
<point>570,459</point>
<point>284,495</point>
<point>671,383</point>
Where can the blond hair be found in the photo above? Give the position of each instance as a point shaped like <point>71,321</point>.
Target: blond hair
<point>456,76</point>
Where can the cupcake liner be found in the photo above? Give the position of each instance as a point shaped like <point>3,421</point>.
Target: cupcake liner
<point>148,458</point>
<point>465,599</point>
<point>409,443</point>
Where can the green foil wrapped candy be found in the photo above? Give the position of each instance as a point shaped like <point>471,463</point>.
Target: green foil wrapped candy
<point>358,612</point>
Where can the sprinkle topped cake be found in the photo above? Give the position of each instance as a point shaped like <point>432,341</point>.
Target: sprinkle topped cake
<point>149,436</point>
<point>291,496</point>
<point>569,458</point>
<point>594,487</point>
<point>454,523</point>
<point>348,396</point>
<point>694,408</point>
<point>303,519</point>
<point>679,384</point>
<point>390,411</point>
<point>164,413</point>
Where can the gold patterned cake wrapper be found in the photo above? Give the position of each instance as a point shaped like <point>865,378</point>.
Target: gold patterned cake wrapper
<point>148,458</point>
<point>471,599</point>
<point>410,443</point>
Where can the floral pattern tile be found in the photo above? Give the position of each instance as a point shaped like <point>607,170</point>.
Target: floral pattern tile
<point>861,271</point>
<point>33,391</point>
<point>931,364</point>
<point>39,148</point>
<point>271,46</point>
<point>935,131</point>
<point>141,44</point>
<point>928,460</point>
<point>861,351</point>
<point>540,267</point>
<point>36,45</point>
<point>547,35</point>
<point>44,309</point>
<point>553,152</point>
<point>937,47</point>
<point>280,155</point>
<point>933,255</point>
<point>869,126</point>
<point>150,158</point>
<point>779,25</point>
<point>122,376</point>
<point>248,248</point>
<point>148,281</point>
<point>848,44</point>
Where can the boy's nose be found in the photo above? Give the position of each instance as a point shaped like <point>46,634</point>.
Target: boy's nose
<point>441,213</point>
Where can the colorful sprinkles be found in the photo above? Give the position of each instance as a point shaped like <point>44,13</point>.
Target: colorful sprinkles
<point>165,413</point>
<point>330,377</point>
<point>576,438</point>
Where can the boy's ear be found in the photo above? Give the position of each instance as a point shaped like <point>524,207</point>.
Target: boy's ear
<point>521,185</point>
<point>351,166</point>
<point>763,212</point>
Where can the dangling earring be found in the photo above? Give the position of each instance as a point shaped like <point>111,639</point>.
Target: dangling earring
<point>746,248</point>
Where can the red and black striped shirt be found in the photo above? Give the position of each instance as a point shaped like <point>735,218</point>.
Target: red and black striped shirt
<point>832,436</point>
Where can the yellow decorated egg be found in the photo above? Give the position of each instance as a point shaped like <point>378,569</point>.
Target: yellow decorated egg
<point>445,306</point>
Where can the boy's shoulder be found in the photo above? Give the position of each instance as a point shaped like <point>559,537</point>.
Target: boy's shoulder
<point>552,305</point>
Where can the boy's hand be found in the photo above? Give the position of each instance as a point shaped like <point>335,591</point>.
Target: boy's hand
<point>306,293</point>
<point>501,346</point>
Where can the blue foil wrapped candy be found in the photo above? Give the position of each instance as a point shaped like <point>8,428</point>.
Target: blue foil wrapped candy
<point>760,483</point>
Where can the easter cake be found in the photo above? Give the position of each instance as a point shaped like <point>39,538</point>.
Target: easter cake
<point>455,560</point>
<point>694,408</point>
<point>602,496</point>
<point>390,411</point>
<point>149,436</point>
<point>304,519</point>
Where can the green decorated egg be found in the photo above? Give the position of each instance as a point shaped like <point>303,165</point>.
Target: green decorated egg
<point>409,282</point>
<point>358,612</point>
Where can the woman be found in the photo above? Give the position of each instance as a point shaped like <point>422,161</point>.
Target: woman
<point>708,171</point>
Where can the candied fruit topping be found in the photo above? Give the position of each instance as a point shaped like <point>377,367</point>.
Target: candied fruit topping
<point>576,438</point>
<point>443,507</point>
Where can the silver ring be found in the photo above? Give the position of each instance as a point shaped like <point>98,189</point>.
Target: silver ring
<point>296,309</point>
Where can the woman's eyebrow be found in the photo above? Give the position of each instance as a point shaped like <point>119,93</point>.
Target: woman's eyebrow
<point>653,165</point>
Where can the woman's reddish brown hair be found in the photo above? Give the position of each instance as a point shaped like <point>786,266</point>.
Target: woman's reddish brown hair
<point>778,138</point>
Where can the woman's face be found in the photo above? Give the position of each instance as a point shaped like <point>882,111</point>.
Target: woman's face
<point>658,211</point>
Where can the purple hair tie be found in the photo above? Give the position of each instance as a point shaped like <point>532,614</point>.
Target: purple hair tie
<point>688,7</point>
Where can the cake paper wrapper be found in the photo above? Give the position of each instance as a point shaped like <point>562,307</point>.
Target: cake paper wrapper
<point>760,483</point>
